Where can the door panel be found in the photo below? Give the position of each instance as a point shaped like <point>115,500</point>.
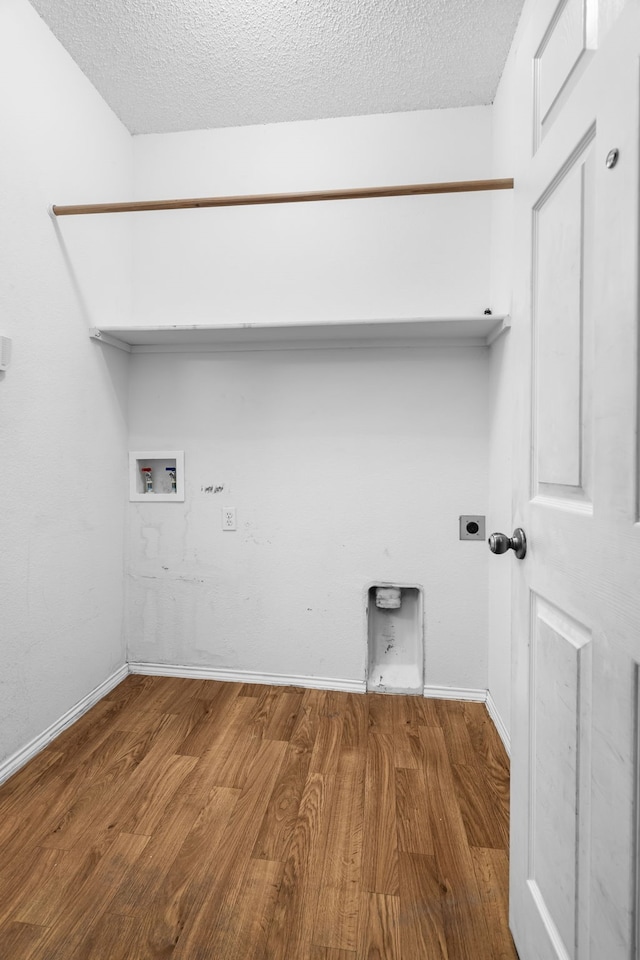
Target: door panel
<point>575,885</point>
<point>562,254</point>
<point>560,50</point>
<point>560,672</point>
<point>561,56</point>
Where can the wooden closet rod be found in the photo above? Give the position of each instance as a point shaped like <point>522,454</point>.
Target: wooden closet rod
<point>364,193</point>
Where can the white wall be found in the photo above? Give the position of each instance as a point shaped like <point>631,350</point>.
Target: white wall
<point>346,468</point>
<point>404,257</point>
<point>62,412</point>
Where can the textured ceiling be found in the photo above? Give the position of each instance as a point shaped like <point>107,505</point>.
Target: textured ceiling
<point>168,65</point>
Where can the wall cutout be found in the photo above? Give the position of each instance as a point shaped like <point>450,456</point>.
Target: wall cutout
<point>395,641</point>
<point>156,475</point>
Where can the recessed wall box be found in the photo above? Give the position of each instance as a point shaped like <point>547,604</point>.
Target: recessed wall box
<point>472,527</point>
<point>156,476</point>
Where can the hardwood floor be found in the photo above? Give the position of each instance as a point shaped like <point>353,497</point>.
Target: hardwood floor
<point>197,820</point>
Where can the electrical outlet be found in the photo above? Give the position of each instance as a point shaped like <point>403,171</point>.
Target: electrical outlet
<point>472,527</point>
<point>229,518</point>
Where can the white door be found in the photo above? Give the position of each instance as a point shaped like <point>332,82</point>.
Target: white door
<point>574,856</point>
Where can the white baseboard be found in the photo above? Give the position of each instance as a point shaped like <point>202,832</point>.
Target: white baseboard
<point>247,676</point>
<point>499,723</point>
<point>13,763</point>
<point>455,693</point>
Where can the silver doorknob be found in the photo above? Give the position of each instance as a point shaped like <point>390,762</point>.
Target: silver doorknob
<point>500,543</point>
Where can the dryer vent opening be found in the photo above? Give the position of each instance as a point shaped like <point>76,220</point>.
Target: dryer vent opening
<point>395,639</point>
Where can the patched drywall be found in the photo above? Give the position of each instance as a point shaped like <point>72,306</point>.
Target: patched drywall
<point>340,260</point>
<point>63,420</point>
<point>346,468</point>
<point>188,66</point>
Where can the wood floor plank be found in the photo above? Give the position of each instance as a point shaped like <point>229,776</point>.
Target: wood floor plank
<point>190,712</point>
<point>39,817</point>
<point>355,728</point>
<point>134,687</point>
<point>283,717</point>
<point>232,753</point>
<point>405,731</point>
<point>213,721</point>
<point>326,749</point>
<point>328,953</point>
<point>203,715</point>
<point>290,934</point>
<point>412,805</point>
<point>491,869</point>
<point>306,725</point>
<point>254,690</point>
<point>186,697</point>
<point>456,731</point>
<point>490,754</point>
<point>122,936</point>
<point>92,796</point>
<point>120,750</point>
<point>237,715</point>
<point>20,940</point>
<point>485,821</point>
<point>71,870</point>
<point>135,703</point>
<point>151,804</point>
<point>162,693</point>
<point>191,820</point>
<point>280,817</point>
<point>334,703</point>
<point>21,784</point>
<point>242,926</point>
<point>266,702</point>
<point>182,720</point>
<point>117,755</point>
<point>464,921</point>
<point>160,853</point>
<point>21,883</point>
<point>379,937</point>
<point>74,926</point>
<point>380,858</point>
<point>336,922</point>
<point>424,711</point>
<point>380,712</point>
<point>236,845</point>
<point>168,912</point>
<point>421,922</point>
<point>136,799</point>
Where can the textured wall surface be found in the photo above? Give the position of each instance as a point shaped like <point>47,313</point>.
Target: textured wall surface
<point>393,257</point>
<point>62,416</point>
<point>346,468</point>
<point>183,66</point>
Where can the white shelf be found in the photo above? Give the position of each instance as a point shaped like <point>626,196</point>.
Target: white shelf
<point>406,332</point>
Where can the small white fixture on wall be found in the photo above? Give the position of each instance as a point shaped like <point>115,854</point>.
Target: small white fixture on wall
<point>156,475</point>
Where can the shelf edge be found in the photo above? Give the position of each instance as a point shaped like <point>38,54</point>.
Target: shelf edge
<point>117,336</point>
